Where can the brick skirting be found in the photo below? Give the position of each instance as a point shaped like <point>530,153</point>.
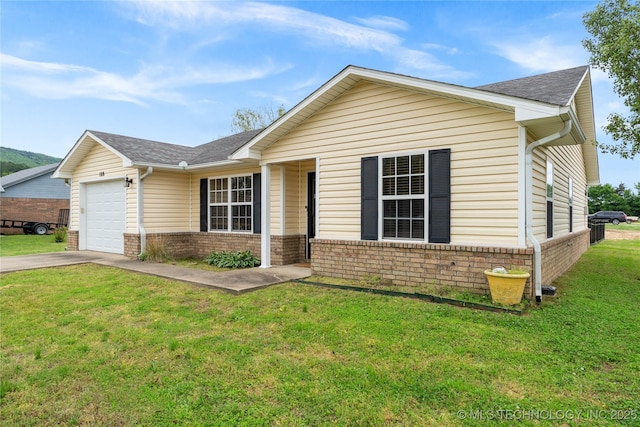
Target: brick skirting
<point>415,264</point>
<point>559,255</point>
<point>426,265</point>
<point>284,249</point>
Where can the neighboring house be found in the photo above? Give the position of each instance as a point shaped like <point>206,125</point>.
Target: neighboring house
<point>31,195</point>
<point>373,174</point>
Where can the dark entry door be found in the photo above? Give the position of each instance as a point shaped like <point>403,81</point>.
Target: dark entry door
<point>311,210</point>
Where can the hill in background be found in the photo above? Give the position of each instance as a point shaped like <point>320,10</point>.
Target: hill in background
<point>12,160</point>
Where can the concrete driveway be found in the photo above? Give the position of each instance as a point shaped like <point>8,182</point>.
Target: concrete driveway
<point>235,281</point>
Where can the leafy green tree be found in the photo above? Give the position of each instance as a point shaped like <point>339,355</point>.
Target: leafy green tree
<point>606,197</point>
<point>7,168</point>
<point>615,48</point>
<point>247,119</point>
<point>634,202</point>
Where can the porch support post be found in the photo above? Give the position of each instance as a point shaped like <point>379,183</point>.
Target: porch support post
<point>265,220</point>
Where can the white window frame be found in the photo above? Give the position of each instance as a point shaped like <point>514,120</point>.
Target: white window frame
<point>570,191</point>
<point>550,190</point>
<point>423,197</point>
<point>230,202</point>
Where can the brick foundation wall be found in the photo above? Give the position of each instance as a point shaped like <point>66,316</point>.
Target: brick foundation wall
<point>72,240</point>
<point>414,264</point>
<point>26,209</point>
<point>559,255</point>
<point>284,249</point>
<point>205,243</point>
<point>131,245</point>
<point>287,249</point>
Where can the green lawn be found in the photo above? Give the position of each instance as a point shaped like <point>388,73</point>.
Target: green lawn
<point>91,345</point>
<point>22,244</point>
<point>634,226</point>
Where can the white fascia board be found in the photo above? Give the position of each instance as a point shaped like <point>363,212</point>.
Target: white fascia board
<point>534,111</point>
<point>58,172</point>
<point>188,168</point>
<point>247,152</point>
<point>577,128</point>
<point>214,165</point>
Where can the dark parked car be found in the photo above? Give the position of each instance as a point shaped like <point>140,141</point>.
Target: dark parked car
<point>614,217</point>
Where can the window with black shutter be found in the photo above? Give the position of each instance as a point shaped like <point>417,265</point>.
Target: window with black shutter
<point>410,185</point>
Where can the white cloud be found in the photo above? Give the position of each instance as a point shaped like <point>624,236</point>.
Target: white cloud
<point>542,54</point>
<point>384,22</point>
<point>152,82</point>
<point>438,47</point>
<point>207,17</point>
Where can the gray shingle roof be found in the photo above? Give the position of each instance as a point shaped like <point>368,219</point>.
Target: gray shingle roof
<point>220,149</point>
<point>146,151</point>
<point>555,88</point>
<point>26,174</point>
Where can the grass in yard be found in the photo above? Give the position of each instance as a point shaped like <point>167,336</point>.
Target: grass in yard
<point>18,244</point>
<point>90,345</point>
<point>634,226</point>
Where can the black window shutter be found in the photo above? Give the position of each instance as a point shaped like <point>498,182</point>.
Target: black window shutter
<point>257,203</point>
<point>204,204</point>
<point>440,196</point>
<point>369,198</point>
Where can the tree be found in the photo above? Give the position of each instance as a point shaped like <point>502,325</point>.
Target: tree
<point>606,197</point>
<point>615,48</point>
<point>248,119</point>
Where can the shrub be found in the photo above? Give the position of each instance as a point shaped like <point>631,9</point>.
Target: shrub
<point>60,234</point>
<point>156,250</point>
<point>226,259</point>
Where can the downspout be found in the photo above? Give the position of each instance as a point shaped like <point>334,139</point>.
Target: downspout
<point>537,249</point>
<point>143,233</point>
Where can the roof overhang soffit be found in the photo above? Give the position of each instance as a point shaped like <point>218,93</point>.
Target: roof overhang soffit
<point>543,126</point>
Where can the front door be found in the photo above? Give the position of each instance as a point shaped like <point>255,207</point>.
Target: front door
<point>311,210</point>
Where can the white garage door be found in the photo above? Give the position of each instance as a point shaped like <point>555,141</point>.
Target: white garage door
<point>105,218</point>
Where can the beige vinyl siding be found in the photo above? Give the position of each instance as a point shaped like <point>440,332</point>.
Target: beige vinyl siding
<point>567,161</point>
<point>101,161</point>
<point>193,180</point>
<point>372,119</point>
<point>292,198</point>
<point>166,202</point>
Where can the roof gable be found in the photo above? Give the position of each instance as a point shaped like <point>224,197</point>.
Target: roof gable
<point>523,102</point>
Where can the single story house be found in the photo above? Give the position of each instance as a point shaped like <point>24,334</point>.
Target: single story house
<point>373,174</point>
<point>31,195</point>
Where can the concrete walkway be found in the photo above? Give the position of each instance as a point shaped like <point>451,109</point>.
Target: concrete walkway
<point>235,281</point>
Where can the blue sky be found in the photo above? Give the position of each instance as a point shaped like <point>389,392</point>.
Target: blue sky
<point>176,71</point>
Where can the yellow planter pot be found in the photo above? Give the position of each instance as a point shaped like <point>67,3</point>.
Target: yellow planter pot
<point>506,288</point>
